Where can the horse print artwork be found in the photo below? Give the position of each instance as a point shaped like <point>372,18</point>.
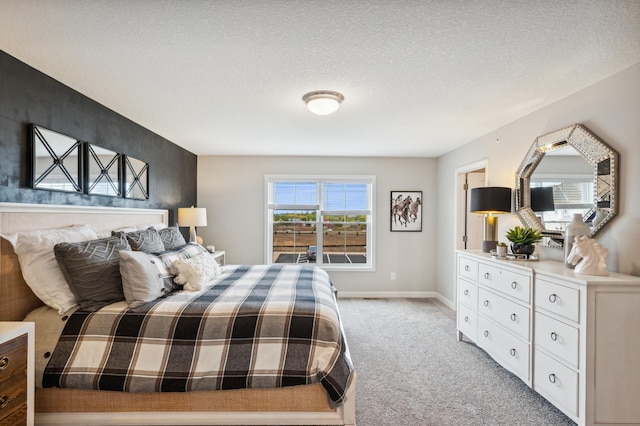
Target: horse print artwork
<point>406,211</point>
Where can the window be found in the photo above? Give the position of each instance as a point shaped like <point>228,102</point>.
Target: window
<point>323,220</point>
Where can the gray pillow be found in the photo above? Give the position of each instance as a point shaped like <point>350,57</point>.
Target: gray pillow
<point>146,240</point>
<point>92,270</point>
<point>171,238</point>
<point>146,276</point>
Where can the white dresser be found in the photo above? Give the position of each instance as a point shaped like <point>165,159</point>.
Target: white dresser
<point>575,339</point>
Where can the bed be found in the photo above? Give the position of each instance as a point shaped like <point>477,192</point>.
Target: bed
<point>311,403</point>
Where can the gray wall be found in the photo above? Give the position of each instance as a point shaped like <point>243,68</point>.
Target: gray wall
<point>29,96</point>
<point>611,110</point>
<point>232,190</point>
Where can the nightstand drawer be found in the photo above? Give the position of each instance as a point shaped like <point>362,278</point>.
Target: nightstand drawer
<point>13,381</point>
<point>558,299</point>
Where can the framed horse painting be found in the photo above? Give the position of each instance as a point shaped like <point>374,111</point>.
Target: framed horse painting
<point>406,211</point>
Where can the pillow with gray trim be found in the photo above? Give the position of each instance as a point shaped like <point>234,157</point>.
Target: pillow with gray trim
<point>171,237</point>
<point>147,276</point>
<point>92,270</point>
<point>146,240</point>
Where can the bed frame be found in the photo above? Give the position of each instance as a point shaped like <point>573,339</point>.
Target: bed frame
<point>296,405</point>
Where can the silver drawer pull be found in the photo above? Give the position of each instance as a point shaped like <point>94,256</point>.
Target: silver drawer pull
<point>4,400</point>
<point>514,317</point>
<point>466,292</point>
<point>514,285</point>
<point>486,303</point>
<point>553,297</point>
<point>4,362</point>
<point>466,319</point>
<point>512,352</point>
<point>554,336</point>
<point>486,333</point>
<point>552,378</point>
<point>487,275</point>
<point>466,268</point>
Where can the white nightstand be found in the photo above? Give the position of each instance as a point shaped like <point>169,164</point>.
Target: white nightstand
<point>16,372</point>
<point>218,256</point>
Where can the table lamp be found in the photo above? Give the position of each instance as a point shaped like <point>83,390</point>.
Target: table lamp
<point>192,217</point>
<point>490,201</point>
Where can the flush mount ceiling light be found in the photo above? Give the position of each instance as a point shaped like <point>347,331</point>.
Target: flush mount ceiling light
<point>323,102</point>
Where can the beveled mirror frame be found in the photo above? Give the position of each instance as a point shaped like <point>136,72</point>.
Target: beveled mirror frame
<point>596,152</point>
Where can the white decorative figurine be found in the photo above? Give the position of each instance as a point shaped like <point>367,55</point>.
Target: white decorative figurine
<point>589,257</point>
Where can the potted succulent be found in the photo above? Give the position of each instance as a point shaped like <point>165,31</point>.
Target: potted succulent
<point>522,239</point>
<point>501,249</point>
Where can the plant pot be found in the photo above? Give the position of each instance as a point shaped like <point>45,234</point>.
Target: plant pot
<point>526,249</point>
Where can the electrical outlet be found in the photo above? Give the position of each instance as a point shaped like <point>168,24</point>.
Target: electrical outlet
<point>393,276</point>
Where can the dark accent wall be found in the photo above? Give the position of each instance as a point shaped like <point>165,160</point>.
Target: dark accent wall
<point>29,96</point>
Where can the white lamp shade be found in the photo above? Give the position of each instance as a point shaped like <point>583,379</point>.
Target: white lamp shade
<point>192,216</point>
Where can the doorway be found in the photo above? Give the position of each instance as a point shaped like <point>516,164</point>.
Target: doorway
<point>469,226</point>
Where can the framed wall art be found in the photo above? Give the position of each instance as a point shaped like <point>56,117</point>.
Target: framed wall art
<point>406,211</point>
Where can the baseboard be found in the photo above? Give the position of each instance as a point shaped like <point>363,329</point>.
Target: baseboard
<point>396,295</point>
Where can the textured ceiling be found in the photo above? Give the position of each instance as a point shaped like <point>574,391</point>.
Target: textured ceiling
<point>420,78</point>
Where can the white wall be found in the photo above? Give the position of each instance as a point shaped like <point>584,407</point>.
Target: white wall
<point>611,110</point>
<point>232,190</point>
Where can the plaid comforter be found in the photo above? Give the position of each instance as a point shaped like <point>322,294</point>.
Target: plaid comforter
<point>257,326</point>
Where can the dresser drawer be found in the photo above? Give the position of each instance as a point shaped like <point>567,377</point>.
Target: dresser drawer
<point>558,299</point>
<point>13,381</point>
<point>468,268</point>
<point>557,338</point>
<point>468,293</point>
<point>505,312</point>
<point>507,349</point>
<point>508,282</point>
<point>468,322</point>
<point>556,382</point>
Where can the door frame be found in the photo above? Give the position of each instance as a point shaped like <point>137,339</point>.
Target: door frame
<point>460,210</point>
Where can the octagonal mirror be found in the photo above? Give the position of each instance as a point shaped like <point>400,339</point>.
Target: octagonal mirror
<point>565,172</point>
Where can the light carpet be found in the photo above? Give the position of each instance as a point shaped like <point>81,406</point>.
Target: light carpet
<point>412,370</point>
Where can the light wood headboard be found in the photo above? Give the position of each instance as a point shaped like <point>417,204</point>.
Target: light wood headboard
<point>16,298</point>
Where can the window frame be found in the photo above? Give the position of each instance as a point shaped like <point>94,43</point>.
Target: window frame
<point>370,180</point>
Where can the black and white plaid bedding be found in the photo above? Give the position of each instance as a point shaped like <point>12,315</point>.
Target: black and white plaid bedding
<point>257,326</point>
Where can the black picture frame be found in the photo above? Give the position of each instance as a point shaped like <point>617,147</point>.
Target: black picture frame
<point>406,211</point>
<point>136,178</point>
<point>57,161</point>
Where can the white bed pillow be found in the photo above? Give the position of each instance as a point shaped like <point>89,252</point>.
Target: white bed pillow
<point>144,278</point>
<point>147,276</point>
<point>193,273</point>
<point>39,266</point>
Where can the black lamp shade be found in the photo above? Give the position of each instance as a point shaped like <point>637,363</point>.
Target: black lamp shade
<point>542,199</point>
<point>491,199</point>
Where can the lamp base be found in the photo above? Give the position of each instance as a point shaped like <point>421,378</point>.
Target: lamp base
<point>487,246</point>
<point>193,238</point>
